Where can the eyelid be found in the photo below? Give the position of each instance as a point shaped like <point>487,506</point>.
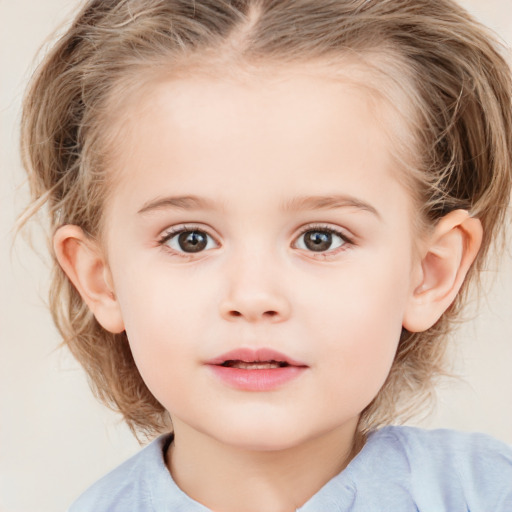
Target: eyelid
<point>348,239</point>
<point>174,231</point>
<point>344,233</point>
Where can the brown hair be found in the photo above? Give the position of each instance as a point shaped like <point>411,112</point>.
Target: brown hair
<point>447,66</point>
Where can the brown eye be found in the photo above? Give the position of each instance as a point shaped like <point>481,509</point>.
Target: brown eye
<point>317,240</point>
<point>320,240</point>
<point>192,241</point>
<point>189,241</point>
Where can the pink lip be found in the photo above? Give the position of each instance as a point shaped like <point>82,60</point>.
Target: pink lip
<point>250,355</point>
<point>263,379</point>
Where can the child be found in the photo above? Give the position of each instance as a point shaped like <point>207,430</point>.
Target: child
<point>265,217</point>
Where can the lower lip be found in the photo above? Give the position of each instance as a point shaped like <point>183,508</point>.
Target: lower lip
<point>266,379</point>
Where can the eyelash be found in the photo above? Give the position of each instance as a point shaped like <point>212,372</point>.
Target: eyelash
<point>176,231</point>
<point>347,242</point>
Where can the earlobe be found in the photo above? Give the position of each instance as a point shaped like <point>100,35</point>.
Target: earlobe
<point>82,260</point>
<point>447,258</point>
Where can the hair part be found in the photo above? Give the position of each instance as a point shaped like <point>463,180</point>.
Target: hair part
<point>430,62</point>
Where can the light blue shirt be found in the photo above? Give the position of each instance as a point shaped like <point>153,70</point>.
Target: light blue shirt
<point>400,469</point>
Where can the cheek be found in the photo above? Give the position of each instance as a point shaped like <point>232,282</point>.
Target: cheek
<point>157,344</point>
<point>359,319</point>
<point>369,294</point>
<point>164,316</point>
<point>159,299</point>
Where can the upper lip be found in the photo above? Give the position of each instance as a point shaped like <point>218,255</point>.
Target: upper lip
<point>251,355</point>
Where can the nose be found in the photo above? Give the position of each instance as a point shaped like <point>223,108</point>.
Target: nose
<point>254,293</point>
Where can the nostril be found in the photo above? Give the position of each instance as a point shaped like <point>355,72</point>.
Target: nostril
<point>267,314</point>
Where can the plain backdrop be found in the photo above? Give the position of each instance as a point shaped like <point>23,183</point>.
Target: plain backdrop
<point>54,438</point>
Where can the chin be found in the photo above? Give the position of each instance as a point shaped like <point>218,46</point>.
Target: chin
<point>262,437</point>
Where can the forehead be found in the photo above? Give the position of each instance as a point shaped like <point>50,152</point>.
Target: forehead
<point>294,130</point>
<point>296,95</point>
<point>281,112</point>
<point>379,77</point>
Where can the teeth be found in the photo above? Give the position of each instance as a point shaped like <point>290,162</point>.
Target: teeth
<point>254,366</point>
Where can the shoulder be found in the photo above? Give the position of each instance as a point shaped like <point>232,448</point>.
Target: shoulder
<point>444,446</point>
<point>470,468</point>
<point>131,485</point>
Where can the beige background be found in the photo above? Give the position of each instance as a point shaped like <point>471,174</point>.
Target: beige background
<point>54,438</point>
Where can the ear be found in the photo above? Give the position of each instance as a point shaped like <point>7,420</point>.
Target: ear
<point>82,259</point>
<point>447,257</point>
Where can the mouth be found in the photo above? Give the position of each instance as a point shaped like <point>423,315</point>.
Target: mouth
<point>258,370</point>
<point>255,359</point>
<point>254,365</point>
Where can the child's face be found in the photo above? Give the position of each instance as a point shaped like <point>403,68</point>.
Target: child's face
<point>303,245</point>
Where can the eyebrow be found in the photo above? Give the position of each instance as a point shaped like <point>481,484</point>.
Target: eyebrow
<point>179,202</point>
<point>328,202</point>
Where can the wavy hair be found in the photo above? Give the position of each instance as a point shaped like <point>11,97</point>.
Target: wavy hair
<point>447,68</point>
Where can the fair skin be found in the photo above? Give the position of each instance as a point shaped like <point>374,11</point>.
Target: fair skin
<point>328,282</point>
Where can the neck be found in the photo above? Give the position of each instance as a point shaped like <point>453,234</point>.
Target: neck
<point>223,477</point>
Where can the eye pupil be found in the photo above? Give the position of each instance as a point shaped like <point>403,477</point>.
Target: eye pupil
<point>318,240</point>
<point>192,241</point>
